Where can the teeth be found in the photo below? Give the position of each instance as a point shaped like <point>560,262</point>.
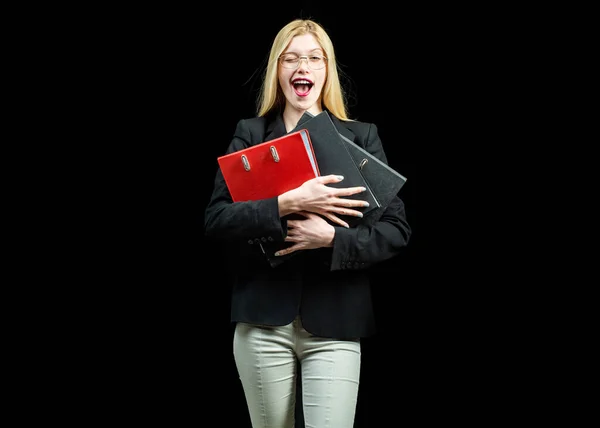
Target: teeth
<point>301,82</point>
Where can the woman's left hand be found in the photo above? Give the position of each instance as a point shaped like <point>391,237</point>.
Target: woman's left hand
<point>311,232</point>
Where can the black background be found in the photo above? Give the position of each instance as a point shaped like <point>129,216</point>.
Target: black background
<point>141,100</point>
<point>174,85</point>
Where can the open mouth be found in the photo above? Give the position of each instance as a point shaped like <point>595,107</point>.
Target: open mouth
<point>302,87</point>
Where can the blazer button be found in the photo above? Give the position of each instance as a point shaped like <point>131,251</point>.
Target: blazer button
<point>250,241</point>
<point>256,240</point>
<point>270,238</point>
<point>263,239</point>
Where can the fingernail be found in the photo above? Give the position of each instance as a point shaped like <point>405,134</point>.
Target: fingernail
<point>366,204</point>
<point>360,215</point>
<point>277,253</point>
<point>340,177</point>
<point>363,188</point>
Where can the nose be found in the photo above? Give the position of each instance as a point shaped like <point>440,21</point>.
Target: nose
<point>303,63</point>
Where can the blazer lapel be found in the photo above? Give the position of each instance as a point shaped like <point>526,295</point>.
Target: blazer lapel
<point>275,129</point>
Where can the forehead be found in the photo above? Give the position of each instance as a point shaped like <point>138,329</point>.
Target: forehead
<point>303,44</point>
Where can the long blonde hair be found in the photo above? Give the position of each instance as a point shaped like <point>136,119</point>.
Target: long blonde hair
<point>271,96</point>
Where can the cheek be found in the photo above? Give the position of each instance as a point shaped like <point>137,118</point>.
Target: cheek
<point>283,78</point>
<point>321,81</point>
<point>318,88</point>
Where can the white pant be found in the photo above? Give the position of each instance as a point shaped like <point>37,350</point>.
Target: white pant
<point>266,360</point>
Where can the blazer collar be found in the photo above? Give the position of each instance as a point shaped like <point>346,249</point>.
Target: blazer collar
<point>276,128</point>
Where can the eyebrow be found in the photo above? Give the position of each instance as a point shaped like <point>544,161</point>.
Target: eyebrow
<point>319,50</point>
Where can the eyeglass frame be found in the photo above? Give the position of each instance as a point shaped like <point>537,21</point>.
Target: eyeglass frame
<point>300,58</point>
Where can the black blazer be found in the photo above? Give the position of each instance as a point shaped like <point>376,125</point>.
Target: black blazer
<point>328,287</point>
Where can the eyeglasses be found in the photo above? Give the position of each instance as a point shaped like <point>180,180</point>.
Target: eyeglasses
<point>292,61</point>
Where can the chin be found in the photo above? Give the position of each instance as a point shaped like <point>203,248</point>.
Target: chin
<point>304,104</point>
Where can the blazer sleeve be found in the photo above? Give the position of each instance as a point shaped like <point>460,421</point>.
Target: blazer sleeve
<point>250,221</point>
<point>362,246</point>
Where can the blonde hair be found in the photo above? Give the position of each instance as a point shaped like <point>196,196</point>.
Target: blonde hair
<point>271,96</point>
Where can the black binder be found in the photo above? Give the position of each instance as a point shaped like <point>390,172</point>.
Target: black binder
<point>336,154</point>
<point>334,157</point>
<point>383,180</point>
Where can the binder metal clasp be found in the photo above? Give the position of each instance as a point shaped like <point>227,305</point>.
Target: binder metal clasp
<point>362,163</point>
<point>246,163</point>
<point>274,154</point>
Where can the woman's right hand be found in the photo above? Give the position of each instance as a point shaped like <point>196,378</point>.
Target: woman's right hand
<point>315,196</point>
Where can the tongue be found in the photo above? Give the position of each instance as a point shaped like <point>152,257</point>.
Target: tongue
<point>302,89</point>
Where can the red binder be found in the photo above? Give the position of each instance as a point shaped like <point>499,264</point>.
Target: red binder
<point>271,168</point>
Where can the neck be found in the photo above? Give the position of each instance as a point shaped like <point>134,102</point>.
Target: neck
<point>291,116</point>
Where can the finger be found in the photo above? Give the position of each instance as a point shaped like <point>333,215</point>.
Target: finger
<point>351,203</point>
<point>295,224</point>
<point>347,191</point>
<point>336,219</point>
<point>344,211</point>
<point>288,250</point>
<point>331,178</point>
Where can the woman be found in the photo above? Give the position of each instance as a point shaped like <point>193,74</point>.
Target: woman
<point>310,312</point>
